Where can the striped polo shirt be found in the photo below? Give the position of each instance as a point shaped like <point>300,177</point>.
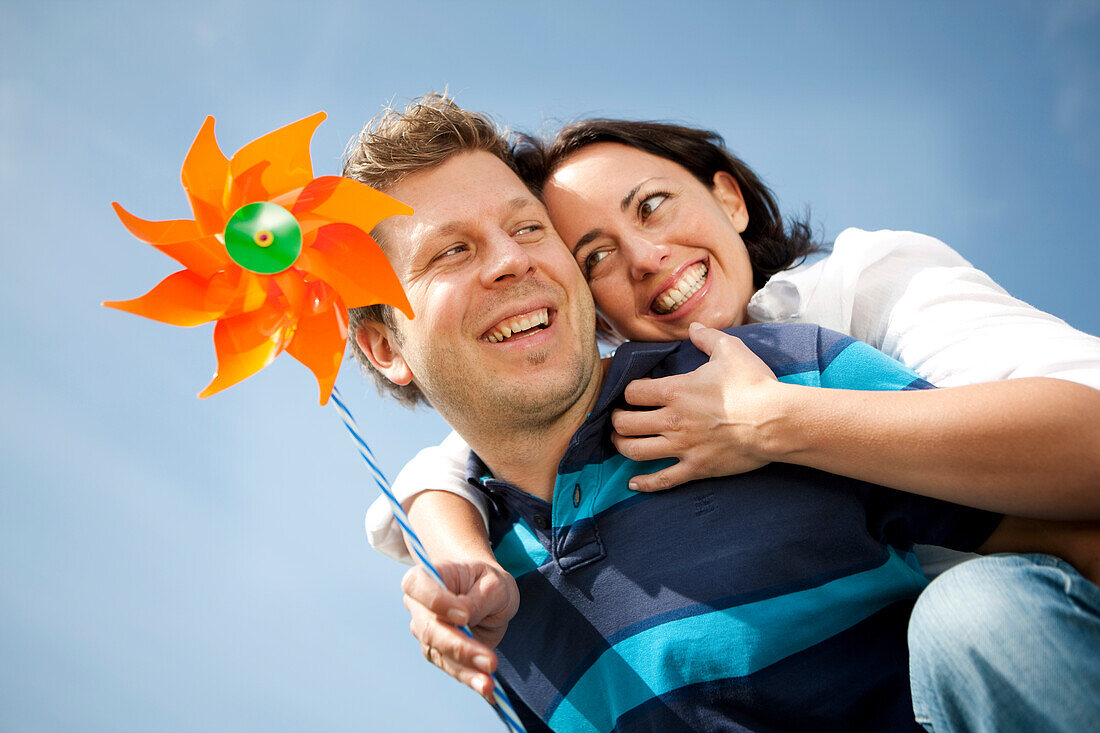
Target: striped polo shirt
<point>773,600</point>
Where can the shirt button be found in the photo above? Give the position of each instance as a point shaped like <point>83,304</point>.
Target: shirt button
<point>540,521</point>
<point>577,496</point>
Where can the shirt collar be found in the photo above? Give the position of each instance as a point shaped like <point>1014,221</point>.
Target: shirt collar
<point>632,360</point>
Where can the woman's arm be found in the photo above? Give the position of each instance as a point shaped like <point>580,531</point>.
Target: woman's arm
<point>450,521</point>
<point>1029,447</point>
<point>479,591</point>
<point>439,468</point>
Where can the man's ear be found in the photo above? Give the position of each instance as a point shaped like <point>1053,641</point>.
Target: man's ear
<point>728,192</point>
<point>380,347</point>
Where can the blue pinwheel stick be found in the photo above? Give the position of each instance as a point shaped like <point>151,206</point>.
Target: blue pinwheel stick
<point>501,705</point>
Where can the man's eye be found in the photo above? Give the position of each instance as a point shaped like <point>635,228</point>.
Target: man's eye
<point>454,250</point>
<point>649,204</point>
<point>529,229</point>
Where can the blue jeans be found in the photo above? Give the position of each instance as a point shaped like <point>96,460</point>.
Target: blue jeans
<point>1007,643</point>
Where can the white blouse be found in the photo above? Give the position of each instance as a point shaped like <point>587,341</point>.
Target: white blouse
<point>908,295</point>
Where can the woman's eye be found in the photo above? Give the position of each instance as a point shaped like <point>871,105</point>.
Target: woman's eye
<point>650,204</point>
<point>594,259</point>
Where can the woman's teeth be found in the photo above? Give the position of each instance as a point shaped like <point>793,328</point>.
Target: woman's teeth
<point>511,327</point>
<point>687,286</point>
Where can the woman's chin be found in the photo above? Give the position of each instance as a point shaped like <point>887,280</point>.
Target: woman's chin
<point>674,326</point>
<point>656,330</point>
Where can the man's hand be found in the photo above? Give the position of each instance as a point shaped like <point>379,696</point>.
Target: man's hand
<point>1078,543</point>
<point>715,420</point>
<point>478,594</point>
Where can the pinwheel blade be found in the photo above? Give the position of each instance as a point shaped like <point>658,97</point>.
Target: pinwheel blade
<point>335,199</point>
<point>181,299</point>
<point>319,342</point>
<point>180,239</point>
<point>353,264</point>
<point>205,176</point>
<point>247,343</point>
<point>273,164</point>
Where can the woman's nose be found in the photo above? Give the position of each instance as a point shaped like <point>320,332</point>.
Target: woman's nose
<point>644,257</point>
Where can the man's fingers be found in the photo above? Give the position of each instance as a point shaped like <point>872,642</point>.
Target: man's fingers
<point>420,586</point>
<point>643,449</point>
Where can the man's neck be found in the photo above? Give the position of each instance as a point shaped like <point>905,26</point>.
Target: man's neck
<point>528,456</point>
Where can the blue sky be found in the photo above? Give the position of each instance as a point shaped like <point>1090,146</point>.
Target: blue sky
<point>171,564</point>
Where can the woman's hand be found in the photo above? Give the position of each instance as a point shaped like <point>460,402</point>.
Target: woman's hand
<point>718,420</point>
<point>478,594</point>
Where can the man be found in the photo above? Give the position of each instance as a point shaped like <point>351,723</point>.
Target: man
<point>770,600</point>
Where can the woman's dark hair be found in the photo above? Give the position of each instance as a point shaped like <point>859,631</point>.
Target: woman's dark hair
<point>772,246</point>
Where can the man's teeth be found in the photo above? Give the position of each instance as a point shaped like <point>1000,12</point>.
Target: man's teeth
<point>687,286</point>
<point>517,325</point>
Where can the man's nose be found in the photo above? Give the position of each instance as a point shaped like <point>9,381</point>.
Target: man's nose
<point>644,257</point>
<point>505,258</point>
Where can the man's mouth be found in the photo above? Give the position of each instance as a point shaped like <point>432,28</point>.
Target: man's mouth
<point>686,286</point>
<point>518,326</point>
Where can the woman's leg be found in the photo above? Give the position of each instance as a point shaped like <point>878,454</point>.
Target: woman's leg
<point>1007,643</point>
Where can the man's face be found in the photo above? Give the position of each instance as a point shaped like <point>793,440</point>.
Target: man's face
<point>504,321</point>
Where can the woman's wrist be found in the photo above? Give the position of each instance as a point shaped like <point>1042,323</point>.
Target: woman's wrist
<point>782,432</point>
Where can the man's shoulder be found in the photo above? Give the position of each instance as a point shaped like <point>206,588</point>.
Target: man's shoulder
<point>785,347</point>
<point>791,347</point>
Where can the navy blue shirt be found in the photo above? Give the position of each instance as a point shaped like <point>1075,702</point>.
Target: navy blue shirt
<point>772,600</point>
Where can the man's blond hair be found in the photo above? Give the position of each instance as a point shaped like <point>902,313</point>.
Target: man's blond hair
<point>391,147</point>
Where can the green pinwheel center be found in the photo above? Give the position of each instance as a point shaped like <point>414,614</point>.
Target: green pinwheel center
<point>263,237</point>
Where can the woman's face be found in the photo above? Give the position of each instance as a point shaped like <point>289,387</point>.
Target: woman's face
<point>659,249</point>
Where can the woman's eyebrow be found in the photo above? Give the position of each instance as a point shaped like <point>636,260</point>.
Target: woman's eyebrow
<point>625,203</point>
<point>593,234</point>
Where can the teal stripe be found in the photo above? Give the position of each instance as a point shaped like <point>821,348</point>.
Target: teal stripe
<point>726,644</point>
<point>860,366</point>
<point>520,551</point>
<point>806,379</point>
<point>603,485</point>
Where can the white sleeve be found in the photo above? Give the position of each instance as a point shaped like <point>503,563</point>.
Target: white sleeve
<point>919,301</point>
<point>438,468</point>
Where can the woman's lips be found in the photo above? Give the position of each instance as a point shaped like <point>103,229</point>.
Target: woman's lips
<point>689,283</point>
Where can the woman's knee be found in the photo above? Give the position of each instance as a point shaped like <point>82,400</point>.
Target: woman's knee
<point>1005,633</point>
<point>975,603</point>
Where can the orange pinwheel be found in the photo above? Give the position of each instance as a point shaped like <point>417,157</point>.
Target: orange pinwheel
<point>274,255</point>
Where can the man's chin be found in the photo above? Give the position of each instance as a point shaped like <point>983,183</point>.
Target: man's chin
<point>513,391</point>
<point>540,397</point>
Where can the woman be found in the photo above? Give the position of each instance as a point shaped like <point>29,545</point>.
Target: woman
<point>670,229</point>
